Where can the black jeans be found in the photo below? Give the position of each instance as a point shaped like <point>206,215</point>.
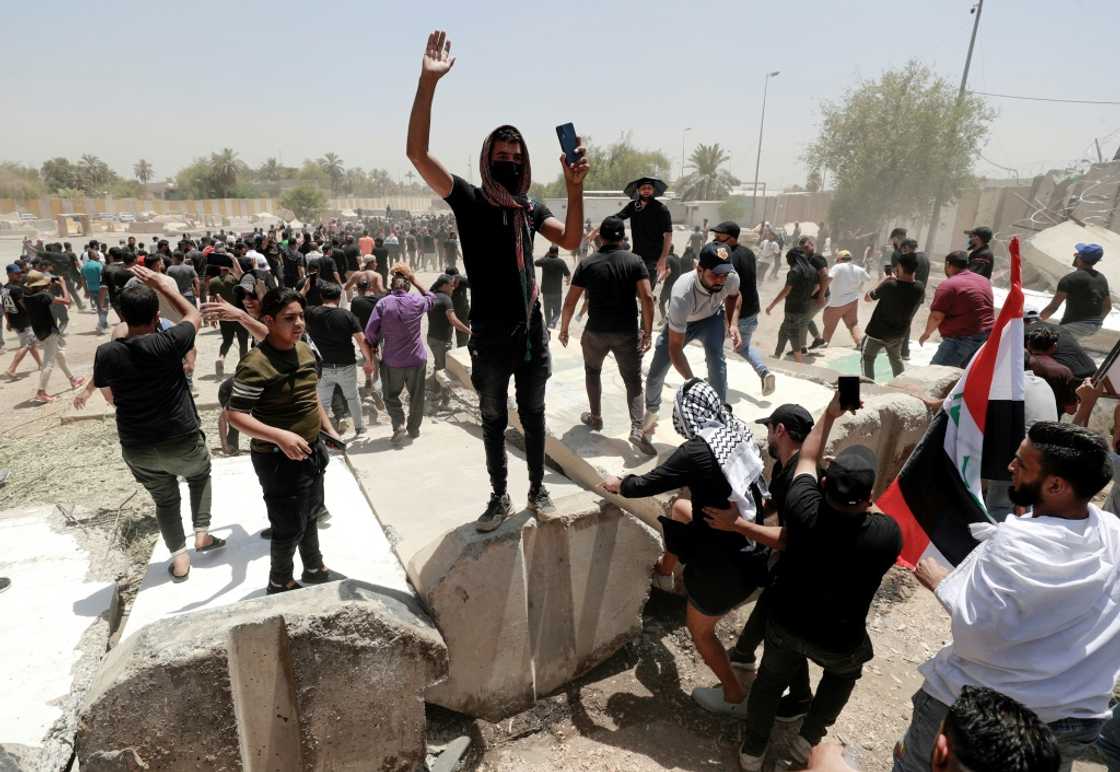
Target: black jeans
<point>785,663</point>
<point>754,631</point>
<point>394,380</point>
<point>293,493</point>
<point>229,330</point>
<point>552,306</point>
<point>497,354</point>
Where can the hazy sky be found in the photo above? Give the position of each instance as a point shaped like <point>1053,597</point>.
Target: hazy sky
<point>171,81</point>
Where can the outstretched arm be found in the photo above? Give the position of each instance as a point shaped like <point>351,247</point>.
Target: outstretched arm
<point>437,62</point>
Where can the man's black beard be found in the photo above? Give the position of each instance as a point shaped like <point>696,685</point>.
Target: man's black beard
<point>1027,495</point>
<point>772,449</point>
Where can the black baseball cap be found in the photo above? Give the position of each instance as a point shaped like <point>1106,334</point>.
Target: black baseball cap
<point>983,231</point>
<point>612,229</point>
<point>716,257</point>
<point>851,476</point>
<point>795,418</point>
<point>727,228</point>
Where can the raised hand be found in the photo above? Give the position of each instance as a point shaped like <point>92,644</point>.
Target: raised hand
<point>438,60</point>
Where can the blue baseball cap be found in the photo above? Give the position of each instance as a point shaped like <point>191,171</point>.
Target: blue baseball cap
<point>13,268</point>
<point>1089,253</point>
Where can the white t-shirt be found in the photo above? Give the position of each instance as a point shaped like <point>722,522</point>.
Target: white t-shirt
<point>260,262</point>
<point>1035,613</point>
<point>847,278</point>
<point>768,249</point>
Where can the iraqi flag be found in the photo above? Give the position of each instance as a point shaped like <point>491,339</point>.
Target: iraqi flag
<point>974,436</point>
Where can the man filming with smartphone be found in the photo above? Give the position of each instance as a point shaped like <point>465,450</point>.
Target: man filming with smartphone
<point>496,225</point>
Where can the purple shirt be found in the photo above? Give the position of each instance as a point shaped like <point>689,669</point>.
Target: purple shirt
<point>396,320</point>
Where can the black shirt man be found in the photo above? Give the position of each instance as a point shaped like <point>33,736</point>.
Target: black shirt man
<point>651,225</point>
<point>980,258</point>
<point>554,271</point>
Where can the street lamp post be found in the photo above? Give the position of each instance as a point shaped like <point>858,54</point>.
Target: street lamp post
<point>758,156</point>
<point>683,134</point>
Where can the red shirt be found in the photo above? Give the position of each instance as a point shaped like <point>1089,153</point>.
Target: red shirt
<point>966,301</point>
<point>365,246</point>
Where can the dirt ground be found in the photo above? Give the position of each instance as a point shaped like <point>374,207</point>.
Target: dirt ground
<point>633,712</point>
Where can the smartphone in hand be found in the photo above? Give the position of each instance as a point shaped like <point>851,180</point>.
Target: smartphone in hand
<point>568,142</point>
<point>848,386</point>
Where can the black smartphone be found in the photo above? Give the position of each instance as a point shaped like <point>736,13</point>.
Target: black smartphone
<point>848,386</point>
<point>332,442</point>
<point>888,270</point>
<point>568,142</point>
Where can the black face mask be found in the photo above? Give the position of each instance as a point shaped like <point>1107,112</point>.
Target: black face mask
<point>507,174</point>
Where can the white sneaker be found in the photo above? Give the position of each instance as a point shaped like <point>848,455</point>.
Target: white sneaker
<point>710,698</point>
<point>797,752</point>
<point>768,384</point>
<point>749,763</point>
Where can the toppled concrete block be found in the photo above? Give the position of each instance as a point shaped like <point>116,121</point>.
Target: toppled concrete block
<point>61,610</point>
<point>890,425</point>
<point>361,657</point>
<point>523,609</point>
<point>930,381</point>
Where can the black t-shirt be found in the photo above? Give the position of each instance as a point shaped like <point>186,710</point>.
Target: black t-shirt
<point>216,261</point>
<point>553,271</point>
<point>1086,290</point>
<point>817,262</point>
<point>328,270</point>
<point>611,281</point>
<point>898,300</point>
<point>333,329</point>
<point>461,297</point>
<point>13,306</point>
<point>382,255</point>
<point>1070,353</point>
<point>438,325</point>
<point>831,567</point>
<point>153,400</point>
<point>114,277</point>
<point>352,255</point>
<point>489,253</point>
<point>292,260</point>
<point>745,265</point>
<point>802,282</point>
<point>38,306</point>
<point>980,261</point>
<point>781,477</point>
<point>362,307</point>
<point>649,224</point>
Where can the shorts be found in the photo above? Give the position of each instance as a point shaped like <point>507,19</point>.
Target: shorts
<point>715,584</point>
<point>26,337</point>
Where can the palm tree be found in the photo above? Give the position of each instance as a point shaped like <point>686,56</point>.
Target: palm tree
<point>93,173</point>
<point>707,180</point>
<point>224,168</point>
<point>143,171</point>
<point>332,165</point>
<point>270,170</point>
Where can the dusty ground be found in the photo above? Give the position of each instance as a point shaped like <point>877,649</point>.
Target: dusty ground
<point>631,713</point>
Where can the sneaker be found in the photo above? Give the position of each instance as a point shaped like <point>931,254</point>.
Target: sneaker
<point>819,343</point>
<point>642,443</point>
<point>742,662</point>
<point>749,763</point>
<point>665,582</point>
<point>768,384</point>
<point>710,698</point>
<point>540,503</point>
<point>360,431</point>
<point>266,533</point>
<point>219,368</point>
<point>497,510</point>
<point>378,402</point>
<point>591,421</point>
<point>398,438</point>
<point>322,515</point>
<point>413,434</point>
<point>649,422</point>
<point>322,576</point>
<point>275,589</point>
<point>796,753</point>
<point>791,709</point>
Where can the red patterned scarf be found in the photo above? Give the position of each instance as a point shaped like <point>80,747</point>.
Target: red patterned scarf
<point>497,195</point>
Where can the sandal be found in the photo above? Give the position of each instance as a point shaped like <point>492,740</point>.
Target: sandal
<point>215,543</point>
<point>175,577</point>
<point>592,421</point>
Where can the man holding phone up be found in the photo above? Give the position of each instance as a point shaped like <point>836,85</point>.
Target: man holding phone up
<point>496,224</point>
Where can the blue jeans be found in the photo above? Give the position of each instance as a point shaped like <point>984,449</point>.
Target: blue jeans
<point>1081,330</point>
<point>747,327</point>
<point>1075,736</point>
<point>956,352</point>
<point>1108,744</point>
<point>711,332</point>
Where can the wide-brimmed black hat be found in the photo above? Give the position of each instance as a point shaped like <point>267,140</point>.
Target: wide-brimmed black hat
<point>659,187</point>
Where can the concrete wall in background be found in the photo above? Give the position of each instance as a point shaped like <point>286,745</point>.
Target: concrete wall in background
<point>48,207</point>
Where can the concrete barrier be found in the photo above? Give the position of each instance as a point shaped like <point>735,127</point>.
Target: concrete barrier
<point>890,425</point>
<point>930,381</point>
<point>336,671</point>
<point>523,609</point>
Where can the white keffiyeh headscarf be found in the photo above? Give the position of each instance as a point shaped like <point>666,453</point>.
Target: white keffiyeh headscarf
<point>699,412</point>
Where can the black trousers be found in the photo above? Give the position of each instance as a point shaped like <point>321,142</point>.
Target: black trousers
<point>229,331</point>
<point>498,354</point>
<point>293,493</point>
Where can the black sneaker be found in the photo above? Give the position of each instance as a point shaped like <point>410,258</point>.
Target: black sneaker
<point>497,511</point>
<point>540,503</point>
<point>818,343</point>
<point>266,533</point>
<point>740,661</point>
<point>275,589</point>
<point>413,434</point>
<point>791,709</point>
<point>322,576</point>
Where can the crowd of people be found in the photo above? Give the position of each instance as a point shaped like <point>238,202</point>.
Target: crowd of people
<point>1024,684</point>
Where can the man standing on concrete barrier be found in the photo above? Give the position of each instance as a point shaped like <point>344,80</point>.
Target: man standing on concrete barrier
<point>703,306</point>
<point>275,401</point>
<point>962,312</point>
<point>613,278</point>
<point>157,421</point>
<point>497,223</point>
<point>396,321</point>
<point>743,260</point>
<point>1084,291</point>
<point>651,225</point>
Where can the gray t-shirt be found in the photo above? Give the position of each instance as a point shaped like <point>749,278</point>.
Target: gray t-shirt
<point>184,276</point>
<point>690,302</point>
